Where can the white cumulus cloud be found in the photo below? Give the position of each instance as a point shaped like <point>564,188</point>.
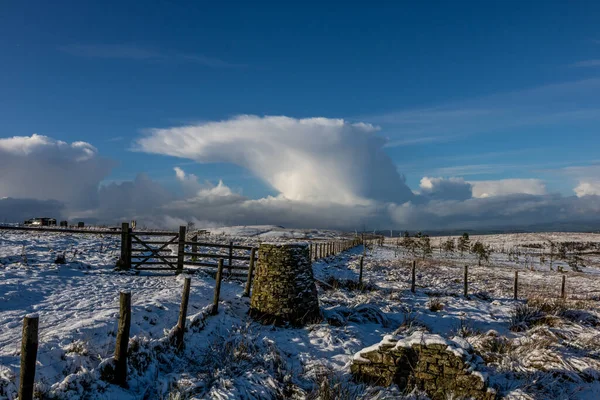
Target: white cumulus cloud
<point>503,187</point>
<point>312,159</point>
<point>587,188</point>
<point>42,168</point>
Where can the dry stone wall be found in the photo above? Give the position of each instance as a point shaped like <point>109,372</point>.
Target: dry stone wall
<point>443,368</point>
<point>284,289</point>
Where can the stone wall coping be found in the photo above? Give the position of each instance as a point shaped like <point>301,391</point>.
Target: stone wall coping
<point>457,346</point>
<point>451,363</point>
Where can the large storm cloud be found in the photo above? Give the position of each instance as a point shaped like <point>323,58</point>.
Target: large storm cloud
<point>327,173</point>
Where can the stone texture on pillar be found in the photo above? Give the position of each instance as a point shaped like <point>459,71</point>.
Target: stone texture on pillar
<point>284,287</point>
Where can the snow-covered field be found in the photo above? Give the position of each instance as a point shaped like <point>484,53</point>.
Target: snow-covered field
<point>543,348</point>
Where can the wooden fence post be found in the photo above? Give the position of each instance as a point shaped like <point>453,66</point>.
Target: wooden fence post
<point>185,299</point>
<point>230,257</point>
<point>122,339</point>
<point>125,260</point>
<point>309,251</point>
<point>360,274</point>
<point>195,248</point>
<point>414,276</point>
<point>180,249</point>
<point>29,347</point>
<point>466,289</point>
<point>215,309</point>
<point>563,292</point>
<point>364,245</point>
<point>129,246</point>
<point>250,273</point>
<point>516,288</point>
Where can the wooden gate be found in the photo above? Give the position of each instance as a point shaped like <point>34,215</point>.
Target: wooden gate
<point>166,251</point>
<point>152,250</point>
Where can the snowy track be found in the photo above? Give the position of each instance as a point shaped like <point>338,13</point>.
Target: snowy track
<point>228,356</point>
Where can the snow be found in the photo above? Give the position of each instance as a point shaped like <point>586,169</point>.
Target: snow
<point>229,356</point>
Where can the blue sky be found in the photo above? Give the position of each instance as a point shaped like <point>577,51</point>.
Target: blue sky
<point>479,90</point>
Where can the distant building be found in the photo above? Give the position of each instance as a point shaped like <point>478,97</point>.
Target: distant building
<point>64,224</point>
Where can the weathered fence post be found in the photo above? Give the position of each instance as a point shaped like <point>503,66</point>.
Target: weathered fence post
<point>563,292</point>
<point>516,288</point>
<point>195,248</point>
<point>360,274</point>
<point>215,308</point>
<point>125,260</point>
<point>29,347</point>
<point>185,298</point>
<point>310,251</point>
<point>414,276</point>
<point>364,245</point>
<point>180,249</point>
<point>466,289</point>
<point>122,339</point>
<point>250,273</point>
<point>230,257</point>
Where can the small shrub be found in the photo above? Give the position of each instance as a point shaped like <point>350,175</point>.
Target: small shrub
<point>331,386</point>
<point>77,347</point>
<point>466,329</point>
<point>349,284</point>
<point>435,304</point>
<point>61,259</point>
<point>107,370</point>
<point>493,348</point>
<point>524,316</point>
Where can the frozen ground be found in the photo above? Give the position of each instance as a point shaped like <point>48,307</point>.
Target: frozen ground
<point>549,349</point>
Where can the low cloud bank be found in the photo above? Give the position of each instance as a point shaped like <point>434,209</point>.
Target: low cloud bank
<point>328,173</point>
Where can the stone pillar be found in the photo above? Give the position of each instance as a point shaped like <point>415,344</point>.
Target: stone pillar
<point>284,289</point>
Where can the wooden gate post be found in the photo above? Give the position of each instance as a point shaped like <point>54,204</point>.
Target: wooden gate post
<point>194,248</point>
<point>215,307</point>
<point>29,347</point>
<point>125,260</point>
<point>180,249</point>
<point>563,287</point>
<point>516,288</point>
<point>122,339</point>
<point>185,298</point>
<point>250,273</point>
